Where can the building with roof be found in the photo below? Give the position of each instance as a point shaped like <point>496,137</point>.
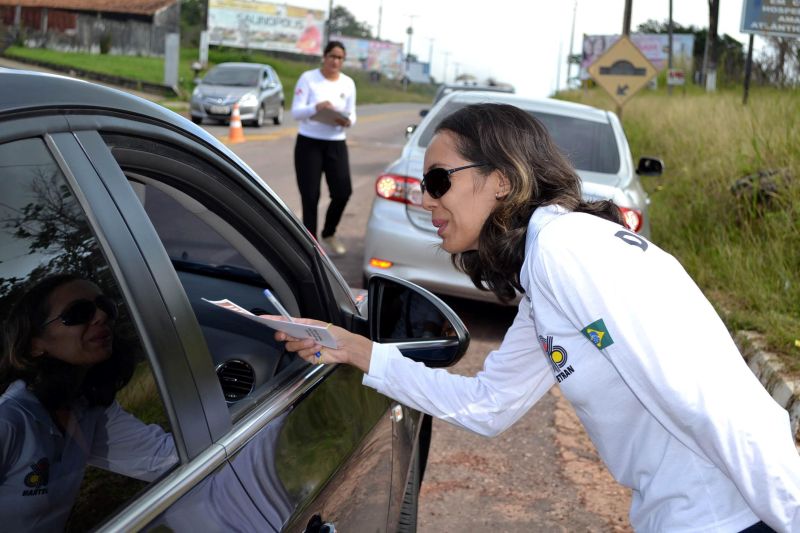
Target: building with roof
<point>106,26</point>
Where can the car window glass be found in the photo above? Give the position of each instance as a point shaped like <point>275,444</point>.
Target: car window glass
<point>214,262</point>
<point>232,76</point>
<point>82,425</point>
<point>589,145</point>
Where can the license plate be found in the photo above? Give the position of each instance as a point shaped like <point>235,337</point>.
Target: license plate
<point>219,110</point>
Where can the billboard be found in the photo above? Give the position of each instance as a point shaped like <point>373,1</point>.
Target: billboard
<point>262,25</point>
<point>370,55</point>
<point>654,46</point>
<point>771,17</point>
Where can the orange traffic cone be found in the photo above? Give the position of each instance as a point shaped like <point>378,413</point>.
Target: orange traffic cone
<point>236,134</point>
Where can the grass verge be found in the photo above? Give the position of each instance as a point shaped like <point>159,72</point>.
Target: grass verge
<point>151,69</point>
<point>743,250</point>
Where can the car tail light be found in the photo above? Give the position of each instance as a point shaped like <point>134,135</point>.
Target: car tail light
<point>399,189</point>
<point>632,218</point>
<point>380,263</point>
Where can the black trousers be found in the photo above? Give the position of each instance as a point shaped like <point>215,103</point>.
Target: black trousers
<point>312,157</point>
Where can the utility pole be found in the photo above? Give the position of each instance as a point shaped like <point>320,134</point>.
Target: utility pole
<point>626,21</point>
<point>558,68</point>
<point>748,69</point>
<point>410,32</point>
<point>669,50</point>
<point>571,44</point>
<point>380,14</point>
<point>328,23</point>
<point>626,32</point>
<point>430,56</point>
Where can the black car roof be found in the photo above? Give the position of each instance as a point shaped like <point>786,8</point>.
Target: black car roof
<point>22,90</point>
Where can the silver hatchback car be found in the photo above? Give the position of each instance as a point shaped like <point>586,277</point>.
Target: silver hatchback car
<point>402,241</point>
<point>256,87</point>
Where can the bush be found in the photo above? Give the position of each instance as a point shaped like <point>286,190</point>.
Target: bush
<point>105,43</point>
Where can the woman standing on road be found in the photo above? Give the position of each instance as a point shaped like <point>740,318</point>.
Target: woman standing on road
<point>616,322</point>
<point>325,104</point>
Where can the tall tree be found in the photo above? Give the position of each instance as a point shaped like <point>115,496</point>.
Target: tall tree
<point>343,22</point>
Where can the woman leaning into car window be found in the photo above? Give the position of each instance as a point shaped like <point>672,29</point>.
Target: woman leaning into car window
<point>59,374</point>
<point>615,321</point>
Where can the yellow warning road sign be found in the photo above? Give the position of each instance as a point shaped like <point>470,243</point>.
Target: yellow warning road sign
<point>622,70</point>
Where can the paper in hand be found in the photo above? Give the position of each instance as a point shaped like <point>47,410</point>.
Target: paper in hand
<point>328,115</point>
<point>301,331</point>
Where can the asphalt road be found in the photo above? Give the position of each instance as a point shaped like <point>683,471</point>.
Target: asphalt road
<point>541,475</point>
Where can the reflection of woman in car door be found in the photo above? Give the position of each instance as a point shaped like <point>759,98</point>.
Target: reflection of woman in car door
<point>614,321</point>
<point>59,374</point>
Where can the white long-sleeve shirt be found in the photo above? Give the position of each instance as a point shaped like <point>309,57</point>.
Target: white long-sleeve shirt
<point>650,369</point>
<point>41,468</point>
<point>312,88</point>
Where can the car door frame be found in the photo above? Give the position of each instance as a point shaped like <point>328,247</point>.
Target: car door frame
<point>230,437</point>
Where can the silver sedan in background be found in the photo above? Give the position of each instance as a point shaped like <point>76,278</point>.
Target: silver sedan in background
<point>256,87</point>
<point>400,237</point>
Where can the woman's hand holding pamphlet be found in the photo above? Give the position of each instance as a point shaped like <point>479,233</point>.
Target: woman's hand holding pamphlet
<point>296,329</point>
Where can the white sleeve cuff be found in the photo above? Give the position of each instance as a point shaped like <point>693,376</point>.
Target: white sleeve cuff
<point>379,361</point>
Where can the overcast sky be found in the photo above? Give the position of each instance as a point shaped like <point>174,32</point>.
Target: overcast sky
<point>517,41</point>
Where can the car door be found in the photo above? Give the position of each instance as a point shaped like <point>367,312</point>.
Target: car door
<point>272,92</point>
<point>72,224</point>
<point>294,434</point>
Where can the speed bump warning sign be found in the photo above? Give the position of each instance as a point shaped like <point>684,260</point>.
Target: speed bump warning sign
<point>622,70</point>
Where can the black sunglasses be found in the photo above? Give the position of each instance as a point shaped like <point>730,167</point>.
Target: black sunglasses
<point>82,311</point>
<point>437,180</point>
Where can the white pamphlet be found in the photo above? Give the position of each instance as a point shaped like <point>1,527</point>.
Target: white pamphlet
<point>328,115</point>
<point>320,334</point>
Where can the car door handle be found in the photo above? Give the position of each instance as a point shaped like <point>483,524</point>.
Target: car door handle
<point>397,413</point>
<point>316,525</point>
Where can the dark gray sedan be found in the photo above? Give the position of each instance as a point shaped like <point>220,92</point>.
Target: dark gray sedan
<point>162,218</point>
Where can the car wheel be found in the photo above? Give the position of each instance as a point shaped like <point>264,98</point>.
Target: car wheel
<point>197,120</point>
<point>278,119</point>
<point>410,506</point>
<point>259,120</point>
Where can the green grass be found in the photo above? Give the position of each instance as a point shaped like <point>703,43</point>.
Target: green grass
<point>743,254</point>
<point>151,69</point>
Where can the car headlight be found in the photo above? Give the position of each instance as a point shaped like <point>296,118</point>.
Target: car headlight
<point>250,99</point>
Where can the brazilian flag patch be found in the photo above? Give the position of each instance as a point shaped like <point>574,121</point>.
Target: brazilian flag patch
<point>598,334</point>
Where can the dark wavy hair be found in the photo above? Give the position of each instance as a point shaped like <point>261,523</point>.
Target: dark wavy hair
<point>334,44</point>
<point>55,383</point>
<point>517,145</point>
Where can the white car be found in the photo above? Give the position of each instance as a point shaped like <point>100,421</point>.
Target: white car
<point>400,238</point>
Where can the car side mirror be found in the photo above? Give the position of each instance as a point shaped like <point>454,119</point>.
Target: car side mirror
<point>650,166</point>
<point>411,128</point>
<point>420,324</point>
<point>423,112</point>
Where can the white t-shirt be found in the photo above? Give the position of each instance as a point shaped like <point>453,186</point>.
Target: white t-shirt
<point>650,369</point>
<point>41,468</point>
<point>313,88</point>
